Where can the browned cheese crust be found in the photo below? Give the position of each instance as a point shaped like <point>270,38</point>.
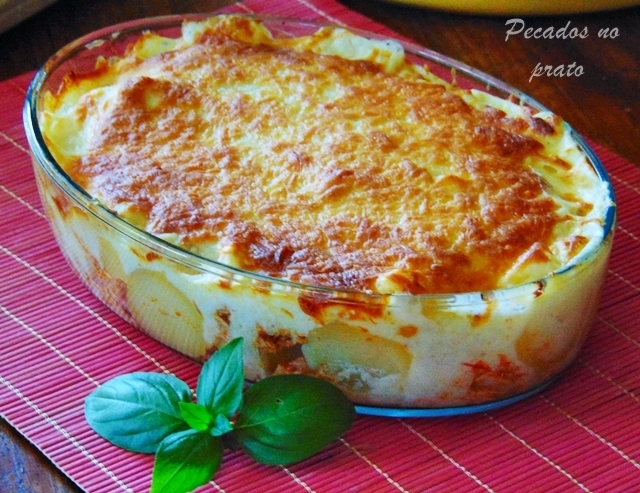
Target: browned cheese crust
<point>334,174</point>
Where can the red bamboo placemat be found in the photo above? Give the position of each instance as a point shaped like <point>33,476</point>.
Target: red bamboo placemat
<point>58,343</point>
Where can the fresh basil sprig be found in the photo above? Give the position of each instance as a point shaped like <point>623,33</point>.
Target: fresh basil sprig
<point>278,420</point>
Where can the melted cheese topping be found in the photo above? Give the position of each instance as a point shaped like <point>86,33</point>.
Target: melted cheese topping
<point>325,159</point>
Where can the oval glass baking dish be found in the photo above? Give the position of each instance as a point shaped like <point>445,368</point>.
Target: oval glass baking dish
<point>393,355</point>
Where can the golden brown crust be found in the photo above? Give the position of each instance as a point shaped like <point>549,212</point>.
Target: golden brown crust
<point>322,170</point>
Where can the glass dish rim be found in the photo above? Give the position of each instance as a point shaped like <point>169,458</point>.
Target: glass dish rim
<point>444,412</point>
<point>185,257</point>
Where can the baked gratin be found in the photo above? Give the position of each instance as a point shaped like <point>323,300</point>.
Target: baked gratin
<point>346,195</point>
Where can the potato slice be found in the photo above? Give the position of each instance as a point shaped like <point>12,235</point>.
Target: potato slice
<point>166,314</point>
<point>353,355</point>
<point>110,259</point>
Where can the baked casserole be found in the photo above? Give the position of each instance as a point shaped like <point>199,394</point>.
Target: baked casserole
<point>419,243</point>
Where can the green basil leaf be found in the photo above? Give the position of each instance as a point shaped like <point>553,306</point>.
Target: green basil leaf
<point>221,380</point>
<point>221,425</point>
<point>196,415</point>
<point>138,410</point>
<point>288,418</point>
<point>184,461</point>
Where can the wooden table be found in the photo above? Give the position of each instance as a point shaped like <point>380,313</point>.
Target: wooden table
<point>602,103</point>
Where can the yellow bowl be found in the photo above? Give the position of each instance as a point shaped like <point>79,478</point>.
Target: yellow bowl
<point>520,7</point>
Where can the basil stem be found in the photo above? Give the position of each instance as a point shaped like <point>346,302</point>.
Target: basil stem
<point>221,425</point>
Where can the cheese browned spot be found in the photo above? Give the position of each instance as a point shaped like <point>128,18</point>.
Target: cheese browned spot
<point>360,172</point>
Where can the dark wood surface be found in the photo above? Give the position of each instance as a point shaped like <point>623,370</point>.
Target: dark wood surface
<point>603,103</point>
